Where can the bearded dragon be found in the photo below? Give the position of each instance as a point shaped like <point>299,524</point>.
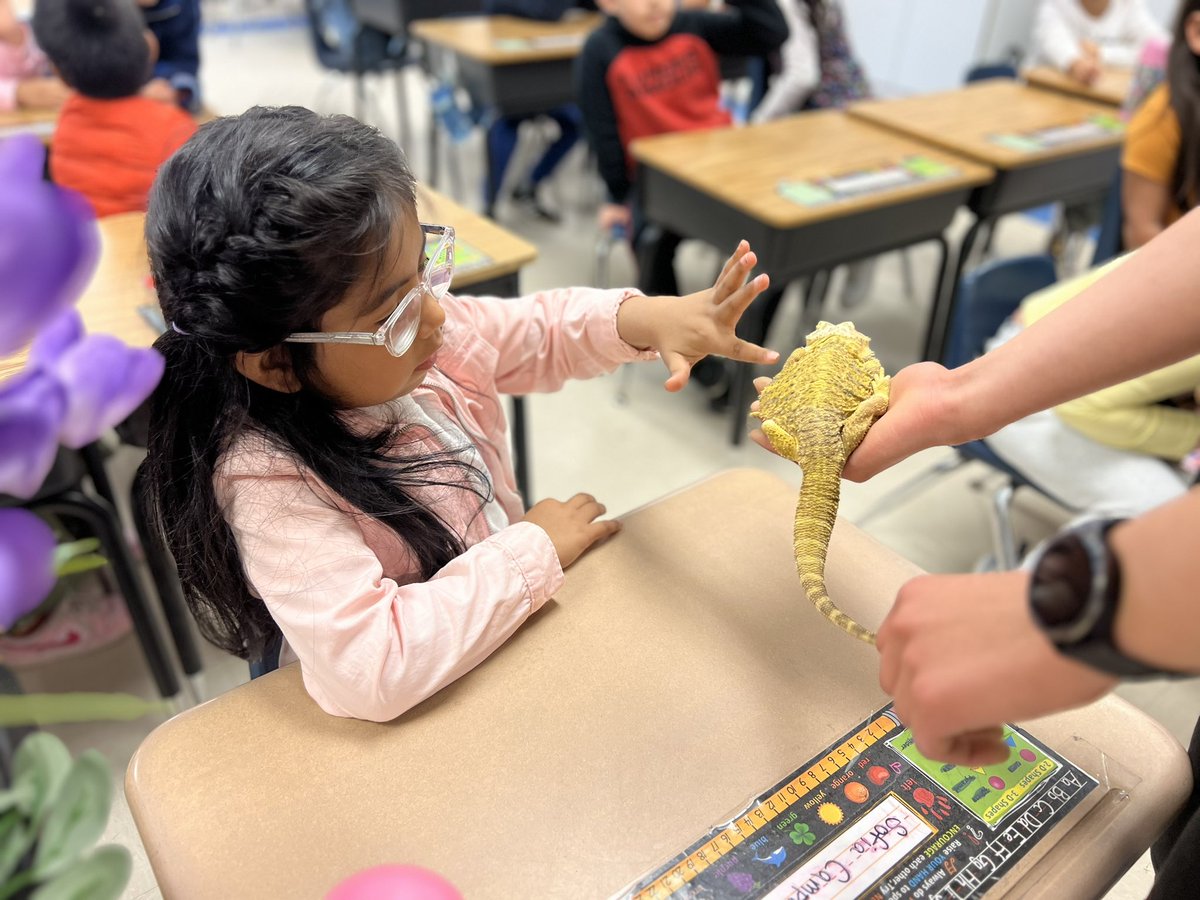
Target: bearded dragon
<point>815,412</point>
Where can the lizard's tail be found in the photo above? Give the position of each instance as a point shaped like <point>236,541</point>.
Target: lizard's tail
<point>815,513</point>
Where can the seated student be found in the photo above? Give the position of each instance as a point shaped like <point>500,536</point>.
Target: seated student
<point>652,69</point>
<point>1112,452</point>
<point>26,79</point>
<point>110,140</point>
<point>175,25</point>
<point>1161,159</point>
<point>327,452</point>
<point>1080,37</point>
<point>502,133</point>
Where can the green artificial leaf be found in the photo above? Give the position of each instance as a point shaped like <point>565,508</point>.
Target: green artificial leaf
<point>77,818</point>
<point>102,876</point>
<point>16,837</point>
<point>64,553</point>
<point>79,564</point>
<point>53,709</point>
<point>40,765</point>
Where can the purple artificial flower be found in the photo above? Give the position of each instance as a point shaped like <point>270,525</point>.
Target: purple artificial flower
<point>48,243</point>
<point>32,408</point>
<point>26,564</point>
<point>103,379</point>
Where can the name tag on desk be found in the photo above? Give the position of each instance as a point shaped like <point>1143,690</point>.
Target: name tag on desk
<point>909,171</point>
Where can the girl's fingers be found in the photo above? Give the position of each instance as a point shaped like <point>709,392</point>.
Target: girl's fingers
<point>733,280</point>
<point>761,439</point>
<point>737,254</point>
<point>680,368</point>
<point>731,309</point>
<point>744,351</point>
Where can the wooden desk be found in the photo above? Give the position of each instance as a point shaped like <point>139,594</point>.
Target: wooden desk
<point>724,185</point>
<point>678,673</point>
<point>1111,88</point>
<point>25,121</point>
<point>978,121</point>
<point>110,302</point>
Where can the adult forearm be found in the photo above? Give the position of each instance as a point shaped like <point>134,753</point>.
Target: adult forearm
<point>1142,316</point>
<point>1159,617</point>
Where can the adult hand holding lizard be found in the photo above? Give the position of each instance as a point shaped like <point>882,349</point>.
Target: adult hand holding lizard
<point>956,677</point>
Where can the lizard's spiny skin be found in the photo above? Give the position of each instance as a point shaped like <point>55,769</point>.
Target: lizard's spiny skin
<point>815,412</point>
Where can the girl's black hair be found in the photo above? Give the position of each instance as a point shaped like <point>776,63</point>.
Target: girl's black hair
<point>1183,81</point>
<point>256,227</point>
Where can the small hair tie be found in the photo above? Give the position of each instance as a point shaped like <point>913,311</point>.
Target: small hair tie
<point>175,328</point>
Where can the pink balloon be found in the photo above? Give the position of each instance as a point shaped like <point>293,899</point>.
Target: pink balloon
<point>395,883</point>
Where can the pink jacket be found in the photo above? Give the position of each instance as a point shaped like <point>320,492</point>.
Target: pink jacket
<point>372,639</point>
<point>17,64</point>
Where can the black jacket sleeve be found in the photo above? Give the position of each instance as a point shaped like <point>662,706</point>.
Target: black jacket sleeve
<point>599,117</point>
<point>744,28</point>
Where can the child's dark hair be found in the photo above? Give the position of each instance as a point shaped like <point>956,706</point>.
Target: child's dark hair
<point>98,46</point>
<point>1183,82</point>
<point>256,227</point>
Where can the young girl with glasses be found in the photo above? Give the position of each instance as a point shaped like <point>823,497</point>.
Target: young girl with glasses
<point>327,454</point>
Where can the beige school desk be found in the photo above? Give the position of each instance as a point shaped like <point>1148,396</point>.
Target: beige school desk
<point>678,673</point>
<point>1112,87</point>
<point>969,120</point>
<point>725,184</point>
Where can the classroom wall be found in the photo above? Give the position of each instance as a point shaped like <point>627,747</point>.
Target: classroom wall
<point>912,46</point>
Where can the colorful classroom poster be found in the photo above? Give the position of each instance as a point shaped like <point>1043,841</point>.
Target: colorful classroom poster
<point>873,818</point>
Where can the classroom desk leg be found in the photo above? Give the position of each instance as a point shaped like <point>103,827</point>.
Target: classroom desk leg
<point>947,296</point>
<point>521,449</point>
<point>101,518</point>
<point>940,285</point>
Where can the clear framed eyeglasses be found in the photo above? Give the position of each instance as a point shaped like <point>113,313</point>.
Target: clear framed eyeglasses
<point>399,331</point>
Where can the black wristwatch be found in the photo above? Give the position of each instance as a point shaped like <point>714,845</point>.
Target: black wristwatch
<point>1074,593</point>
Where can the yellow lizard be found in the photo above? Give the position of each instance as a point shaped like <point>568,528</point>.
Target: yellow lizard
<point>815,412</point>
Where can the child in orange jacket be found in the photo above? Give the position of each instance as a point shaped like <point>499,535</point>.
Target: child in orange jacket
<point>110,140</point>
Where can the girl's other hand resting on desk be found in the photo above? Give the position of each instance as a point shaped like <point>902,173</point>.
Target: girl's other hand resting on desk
<point>686,329</point>
<point>572,525</point>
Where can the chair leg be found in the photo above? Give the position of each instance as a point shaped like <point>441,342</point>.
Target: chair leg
<point>906,491</point>
<point>102,519</point>
<point>166,583</point>
<point>93,461</point>
<point>403,126</point>
<point>1002,530</point>
<point>521,449</point>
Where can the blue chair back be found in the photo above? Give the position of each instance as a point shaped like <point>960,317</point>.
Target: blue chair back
<point>1110,242</point>
<point>342,43</point>
<point>984,71</point>
<point>989,295</point>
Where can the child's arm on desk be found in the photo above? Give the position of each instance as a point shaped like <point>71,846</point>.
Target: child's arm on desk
<point>742,27</point>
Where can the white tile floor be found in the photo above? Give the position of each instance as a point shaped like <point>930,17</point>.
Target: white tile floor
<point>583,438</point>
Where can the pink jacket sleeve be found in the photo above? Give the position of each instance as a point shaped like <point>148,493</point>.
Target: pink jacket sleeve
<point>544,339</point>
<point>17,64</point>
<point>370,648</point>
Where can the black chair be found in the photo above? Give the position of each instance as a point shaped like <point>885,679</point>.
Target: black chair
<point>344,44</point>
<point>63,496</point>
<point>986,297</point>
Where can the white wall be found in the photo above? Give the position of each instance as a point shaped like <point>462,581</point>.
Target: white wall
<point>912,46</point>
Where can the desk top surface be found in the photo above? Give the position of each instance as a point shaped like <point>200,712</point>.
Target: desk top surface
<point>110,302</point>
<point>508,40</point>
<point>678,673</point>
<point>1112,87</point>
<point>988,120</point>
<point>747,168</point>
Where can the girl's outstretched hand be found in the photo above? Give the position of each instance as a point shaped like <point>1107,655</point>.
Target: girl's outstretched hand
<point>572,525</point>
<point>685,329</point>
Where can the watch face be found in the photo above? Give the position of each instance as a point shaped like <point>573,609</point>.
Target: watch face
<point>1062,591</point>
